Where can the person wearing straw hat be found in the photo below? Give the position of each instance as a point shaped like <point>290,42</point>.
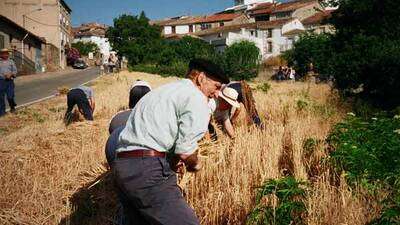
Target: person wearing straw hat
<point>226,102</point>
<point>8,72</point>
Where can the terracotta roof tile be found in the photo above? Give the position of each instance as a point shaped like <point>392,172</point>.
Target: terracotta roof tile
<point>318,18</point>
<point>200,19</point>
<point>224,29</point>
<point>293,5</point>
<point>218,17</point>
<point>273,23</point>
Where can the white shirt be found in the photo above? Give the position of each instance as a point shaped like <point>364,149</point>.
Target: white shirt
<point>172,118</point>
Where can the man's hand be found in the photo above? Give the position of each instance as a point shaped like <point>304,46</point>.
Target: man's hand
<point>8,75</point>
<point>191,162</point>
<point>176,164</point>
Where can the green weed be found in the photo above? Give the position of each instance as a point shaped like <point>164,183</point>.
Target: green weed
<point>290,208</point>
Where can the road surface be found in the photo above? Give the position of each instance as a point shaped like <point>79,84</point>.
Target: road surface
<point>27,92</point>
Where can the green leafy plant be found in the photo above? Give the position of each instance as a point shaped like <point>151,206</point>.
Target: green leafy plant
<point>289,208</point>
<point>264,87</point>
<point>302,104</point>
<point>242,60</point>
<point>85,47</point>
<point>368,150</point>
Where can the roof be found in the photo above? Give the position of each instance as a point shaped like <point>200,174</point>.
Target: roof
<point>218,17</point>
<point>293,5</point>
<point>182,21</point>
<point>263,8</point>
<point>217,30</point>
<point>162,22</point>
<point>40,39</point>
<point>318,18</point>
<point>198,19</point>
<point>259,25</point>
<point>178,36</point>
<point>273,23</point>
<point>63,3</point>
<point>90,29</point>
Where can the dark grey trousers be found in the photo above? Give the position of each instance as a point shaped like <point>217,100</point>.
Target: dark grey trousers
<point>149,193</point>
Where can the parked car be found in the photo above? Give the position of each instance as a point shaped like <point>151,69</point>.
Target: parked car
<point>79,64</point>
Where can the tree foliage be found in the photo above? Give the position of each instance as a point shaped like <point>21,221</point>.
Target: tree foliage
<point>363,54</point>
<point>311,48</point>
<point>85,48</point>
<point>241,60</point>
<point>367,49</point>
<point>133,37</point>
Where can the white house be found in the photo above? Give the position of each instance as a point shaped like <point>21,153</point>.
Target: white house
<point>267,36</point>
<point>93,32</point>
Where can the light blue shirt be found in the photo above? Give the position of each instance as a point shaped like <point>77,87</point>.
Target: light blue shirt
<point>172,118</point>
<point>7,66</point>
<point>87,90</point>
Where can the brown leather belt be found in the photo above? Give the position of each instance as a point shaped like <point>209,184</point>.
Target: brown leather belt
<point>141,153</point>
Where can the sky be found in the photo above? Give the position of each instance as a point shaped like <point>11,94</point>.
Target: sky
<point>104,11</point>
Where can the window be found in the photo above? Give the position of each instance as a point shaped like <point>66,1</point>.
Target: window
<point>269,33</point>
<point>281,15</point>
<point>205,26</point>
<point>190,28</point>
<point>270,47</point>
<point>173,29</point>
<point>221,24</point>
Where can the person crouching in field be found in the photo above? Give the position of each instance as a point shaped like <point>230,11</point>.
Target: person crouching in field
<point>117,123</point>
<point>83,97</point>
<point>245,97</point>
<point>169,120</point>
<point>228,107</point>
<point>225,103</point>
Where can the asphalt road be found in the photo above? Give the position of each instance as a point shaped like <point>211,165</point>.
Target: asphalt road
<point>31,91</point>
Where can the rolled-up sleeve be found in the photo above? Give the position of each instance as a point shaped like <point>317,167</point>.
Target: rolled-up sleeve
<point>192,125</point>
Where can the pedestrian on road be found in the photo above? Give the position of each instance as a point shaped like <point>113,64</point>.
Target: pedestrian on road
<point>83,97</point>
<point>138,90</point>
<point>168,120</point>
<point>8,72</point>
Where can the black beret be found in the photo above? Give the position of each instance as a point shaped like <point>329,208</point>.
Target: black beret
<point>211,69</point>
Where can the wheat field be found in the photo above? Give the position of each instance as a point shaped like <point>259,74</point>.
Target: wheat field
<point>51,174</point>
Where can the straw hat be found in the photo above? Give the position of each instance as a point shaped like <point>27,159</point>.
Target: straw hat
<point>230,95</point>
<point>4,50</point>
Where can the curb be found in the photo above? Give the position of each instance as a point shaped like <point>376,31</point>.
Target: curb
<point>48,97</point>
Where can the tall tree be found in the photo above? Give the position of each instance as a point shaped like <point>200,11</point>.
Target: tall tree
<point>134,37</point>
<point>367,49</point>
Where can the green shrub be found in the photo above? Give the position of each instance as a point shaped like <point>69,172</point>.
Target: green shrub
<point>264,87</point>
<point>301,104</point>
<point>290,208</point>
<point>242,60</point>
<point>311,48</point>
<point>368,150</point>
<point>85,47</point>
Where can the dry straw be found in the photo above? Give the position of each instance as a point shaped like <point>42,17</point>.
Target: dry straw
<point>55,175</point>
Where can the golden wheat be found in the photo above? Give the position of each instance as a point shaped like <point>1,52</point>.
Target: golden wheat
<point>51,174</point>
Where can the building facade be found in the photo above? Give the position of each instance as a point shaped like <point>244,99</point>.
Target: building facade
<point>273,27</point>
<point>96,33</point>
<point>50,19</point>
<point>17,39</point>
